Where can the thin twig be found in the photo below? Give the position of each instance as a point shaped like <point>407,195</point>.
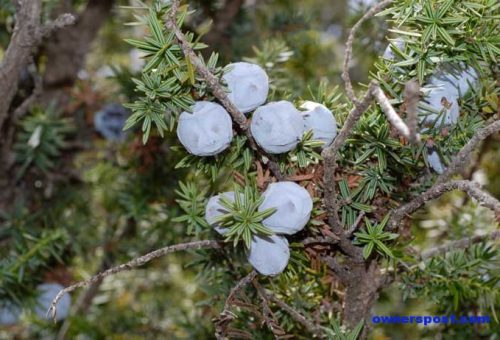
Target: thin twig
<point>459,244</point>
<point>308,324</point>
<point>137,262</point>
<point>356,224</point>
<point>212,81</point>
<point>269,317</point>
<point>391,114</point>
<point>215,86</point>
<point>473,189</point>
<point>232,294</point>
<point>348,49</point>
<point>226,316</point>
<point>319,240</point>
<point>462,159</point>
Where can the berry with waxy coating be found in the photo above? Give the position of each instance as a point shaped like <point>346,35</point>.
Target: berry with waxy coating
<point>214,209</point>
<point>269,255</point>
<point>435,161</point>
<point>248,85</point>
<point>109,122</point>
<point>398,43</point>
<point>277,127</point>
<point>9,314</point>
<point>457,78</point>
<point>207,131</point>
<point>321,121</point>
<point>439,98</point>
<point>293,204</point>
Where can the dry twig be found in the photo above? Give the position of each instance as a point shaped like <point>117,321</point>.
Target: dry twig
<point>134,263</point>
<point>308,324</point>
<point>461,160</point>
<point>226,316</point>
<point>269,317</point>
<point>348,49</point>
<point>473,189</point>
<point>392,115</point>
<point>459,244</point>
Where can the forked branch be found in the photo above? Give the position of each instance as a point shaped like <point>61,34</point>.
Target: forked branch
<point>473,189</point>
<point>348,49</point>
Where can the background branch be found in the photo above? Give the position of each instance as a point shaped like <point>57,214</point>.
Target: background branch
<point>24,40</point>
<point>459,244</point>
<point>348,49</point>
<point>137,262</point>
<point>66,51</point>
<point>473,189</point>
<point>462,159</point>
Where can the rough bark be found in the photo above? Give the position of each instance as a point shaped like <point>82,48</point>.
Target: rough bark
<point>17,56</point>
<point>362,289</point>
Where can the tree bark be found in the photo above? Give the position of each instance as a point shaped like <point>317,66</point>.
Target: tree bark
<point>362,289</point>
<point>67,50</point>
<point>24,40</point>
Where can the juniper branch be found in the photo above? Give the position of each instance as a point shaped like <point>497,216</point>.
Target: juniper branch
<point>134,263</point>
<point>459,244</point>
<point>308,324</point>
<point>391,114</point>
<point>212,81</point>
<point>330,158</point>
<point>461,160</point>
<point>215,86</point>
<point>348,49</point>
<point>412,97</point>
<point>473,189</point>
